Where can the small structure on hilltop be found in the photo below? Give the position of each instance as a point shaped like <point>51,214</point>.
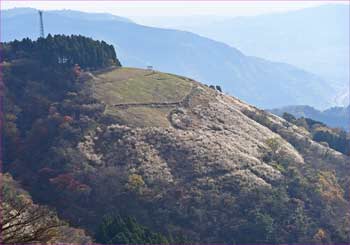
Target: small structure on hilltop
<point>41,23</point>
<point>62,60</point>
<point>151,70</point>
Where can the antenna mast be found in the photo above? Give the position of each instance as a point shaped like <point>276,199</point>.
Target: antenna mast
<point>41,24</point>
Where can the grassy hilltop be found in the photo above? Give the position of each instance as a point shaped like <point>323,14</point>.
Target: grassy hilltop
<point>133,87</point>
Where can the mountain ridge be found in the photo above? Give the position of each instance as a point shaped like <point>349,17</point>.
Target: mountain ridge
<point>302,23</point>
<point>334,117</point>
<point>193,56</point>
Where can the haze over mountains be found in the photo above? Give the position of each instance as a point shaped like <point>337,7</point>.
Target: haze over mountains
<point>315,39</point>
<point>260,82</point>
<point>334,117</point>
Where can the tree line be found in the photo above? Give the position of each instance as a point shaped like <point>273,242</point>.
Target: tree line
<point>63,50</point>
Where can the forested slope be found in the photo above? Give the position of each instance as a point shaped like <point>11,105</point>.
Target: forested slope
<point>185,161</point>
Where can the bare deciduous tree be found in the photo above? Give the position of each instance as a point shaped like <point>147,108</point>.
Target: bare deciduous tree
<point>25,222</point>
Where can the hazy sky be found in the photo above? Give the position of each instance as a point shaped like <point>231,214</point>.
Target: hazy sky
<point>153,12</point>
<point>170,8</point>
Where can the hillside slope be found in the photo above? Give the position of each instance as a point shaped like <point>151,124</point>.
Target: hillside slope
<point>260,82</point>
<point>182,158</point>
<point>190,157</point>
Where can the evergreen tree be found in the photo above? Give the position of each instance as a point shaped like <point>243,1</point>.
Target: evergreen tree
<point>115,229</point>
<point>64,51</point>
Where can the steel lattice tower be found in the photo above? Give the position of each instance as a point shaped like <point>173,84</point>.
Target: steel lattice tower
<point>41,24</point>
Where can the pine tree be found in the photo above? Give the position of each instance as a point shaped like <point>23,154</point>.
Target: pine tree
<point>115,229</point>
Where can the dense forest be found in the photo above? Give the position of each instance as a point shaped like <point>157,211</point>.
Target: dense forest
<point>62,50</point>
<point>38,74</point>
<point>49,110</point>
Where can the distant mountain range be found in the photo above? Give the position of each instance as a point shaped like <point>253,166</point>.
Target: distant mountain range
<point>316,39</point>
<point>334,117</point>
<point>260,82</point>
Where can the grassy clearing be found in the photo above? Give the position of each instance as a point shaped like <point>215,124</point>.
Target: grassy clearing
<point>130,85</point>
<point>127,85</point>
